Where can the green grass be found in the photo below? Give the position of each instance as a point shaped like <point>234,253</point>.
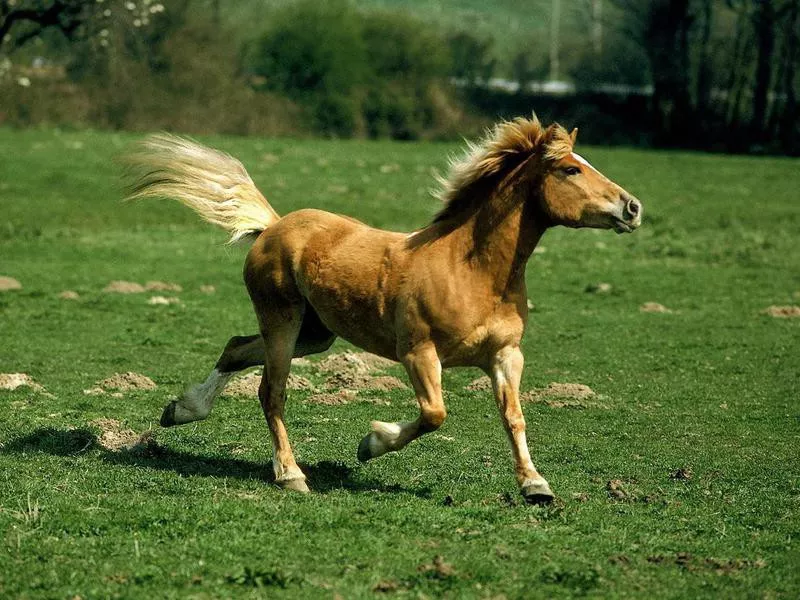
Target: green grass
<point>713,386</point>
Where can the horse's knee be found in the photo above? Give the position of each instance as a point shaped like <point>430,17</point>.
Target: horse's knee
<point>240,352</point>
<point>431,419</point>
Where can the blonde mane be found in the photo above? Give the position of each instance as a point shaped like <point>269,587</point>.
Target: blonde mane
<point>484,165</point>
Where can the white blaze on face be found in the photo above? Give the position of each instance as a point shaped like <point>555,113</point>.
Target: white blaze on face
<point>582,160</point>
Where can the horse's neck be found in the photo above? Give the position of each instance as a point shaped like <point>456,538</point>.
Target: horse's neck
<point>501,237</point>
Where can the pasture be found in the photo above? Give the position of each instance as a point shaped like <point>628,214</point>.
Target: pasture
<point>679,478</point>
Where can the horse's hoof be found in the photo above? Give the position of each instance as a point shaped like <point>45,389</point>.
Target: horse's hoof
<point>537,492</point>
<point>364,452</point>
<point>298,484</point>
<point>168,416</point>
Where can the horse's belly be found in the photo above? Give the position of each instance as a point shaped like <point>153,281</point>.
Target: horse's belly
<point>357,321</point>
<point>352,305</point>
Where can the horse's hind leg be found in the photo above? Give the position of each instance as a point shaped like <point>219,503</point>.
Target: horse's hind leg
<point>425,372</point>
<point>280,330</point>
<point>241,352</point>
<point>196,403</point>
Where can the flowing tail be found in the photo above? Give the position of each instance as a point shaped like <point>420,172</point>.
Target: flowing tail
<point>214,184</point>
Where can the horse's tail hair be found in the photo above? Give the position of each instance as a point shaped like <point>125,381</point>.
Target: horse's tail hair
<point>214,184</point>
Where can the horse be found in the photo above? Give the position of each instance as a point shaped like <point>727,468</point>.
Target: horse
<point>450,294</point>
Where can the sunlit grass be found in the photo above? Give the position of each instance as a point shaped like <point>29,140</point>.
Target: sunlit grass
<point>710,388</point>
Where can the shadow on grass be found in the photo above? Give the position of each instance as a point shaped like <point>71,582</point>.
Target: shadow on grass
<point>324,476</point>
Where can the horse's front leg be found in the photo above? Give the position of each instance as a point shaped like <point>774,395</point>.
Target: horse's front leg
<point>425,372</point>
<point>506,372</point>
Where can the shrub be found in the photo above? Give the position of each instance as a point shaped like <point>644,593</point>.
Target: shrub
<point>356,73</point>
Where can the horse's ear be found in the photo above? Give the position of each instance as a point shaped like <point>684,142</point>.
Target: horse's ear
<point>574,135</point>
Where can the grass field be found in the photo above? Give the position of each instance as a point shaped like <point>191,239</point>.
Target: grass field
<point>681,479</point>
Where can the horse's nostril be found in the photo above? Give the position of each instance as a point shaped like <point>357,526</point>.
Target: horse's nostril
<point>633,207</point>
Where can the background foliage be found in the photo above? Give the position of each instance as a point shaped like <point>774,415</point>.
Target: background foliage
<point>713,74</point>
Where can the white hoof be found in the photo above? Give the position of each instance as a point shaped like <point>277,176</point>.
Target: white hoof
<point>536,491</point>
<point>381,440</point>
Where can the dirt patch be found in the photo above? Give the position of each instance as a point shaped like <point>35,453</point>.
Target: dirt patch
<point>247,386</point>
<point>112,436</point>
<point>598,288</point>
<point>686,560</point>
<point>384,383</point>
<point>358,381</point>
<point>684,474</point>
<point>438,568</point>
<point>163,300</point>
<point>9,283</point>
<point>12,381</point>
<point>69,295</point>
<point>481,384</point>
<point>654,307</point>
<point>124,287</point>
<point>354,362</point>
<point>162,286</point>
<point>208,289</point>
<point>616,490</point>
<point>121,382</point>
<point>336,398</point>
<point>564,395</point>
<point>782,312</point>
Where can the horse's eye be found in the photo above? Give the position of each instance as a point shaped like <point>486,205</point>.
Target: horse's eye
<point>572,170</point>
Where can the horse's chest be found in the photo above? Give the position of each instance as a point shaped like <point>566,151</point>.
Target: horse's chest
<point>475,341</point>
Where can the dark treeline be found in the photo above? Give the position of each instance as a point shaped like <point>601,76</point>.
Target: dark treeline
<point>707,74</point>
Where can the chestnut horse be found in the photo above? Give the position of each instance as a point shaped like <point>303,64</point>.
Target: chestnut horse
<point>450,294</point>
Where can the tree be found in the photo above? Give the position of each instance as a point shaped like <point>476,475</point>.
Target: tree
<point>20,22</point>
<point>764,25</point>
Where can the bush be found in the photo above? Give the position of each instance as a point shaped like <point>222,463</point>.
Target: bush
<point>356,73</point>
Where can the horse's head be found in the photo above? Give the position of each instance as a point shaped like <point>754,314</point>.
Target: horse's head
<point>575,194</point>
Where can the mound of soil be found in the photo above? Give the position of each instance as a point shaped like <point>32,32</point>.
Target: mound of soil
<point>598,288</point>
<point>121,382</point>
<point>782,312</point>
<point>358,381</point>
<point>247,386</point>
<point>112,436</point>
<point>12,381</point>
<point>162,286</point>
<point>9,283</point>
<point>481,384</point>
<point>69,295</point>
<point>563,395</point>
<point>124,287</point>
<point>336,398</point>
<point>163,301</point>
<point>654,307</point>
<point>354,362</point>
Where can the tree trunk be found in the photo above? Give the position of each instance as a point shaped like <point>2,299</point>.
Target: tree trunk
<point>703,90</point>
<point>764,22</point>
<point>788,133</point>
<point>667,33</point>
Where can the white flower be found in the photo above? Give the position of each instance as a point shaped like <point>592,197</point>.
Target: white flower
<point>24,82</point>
